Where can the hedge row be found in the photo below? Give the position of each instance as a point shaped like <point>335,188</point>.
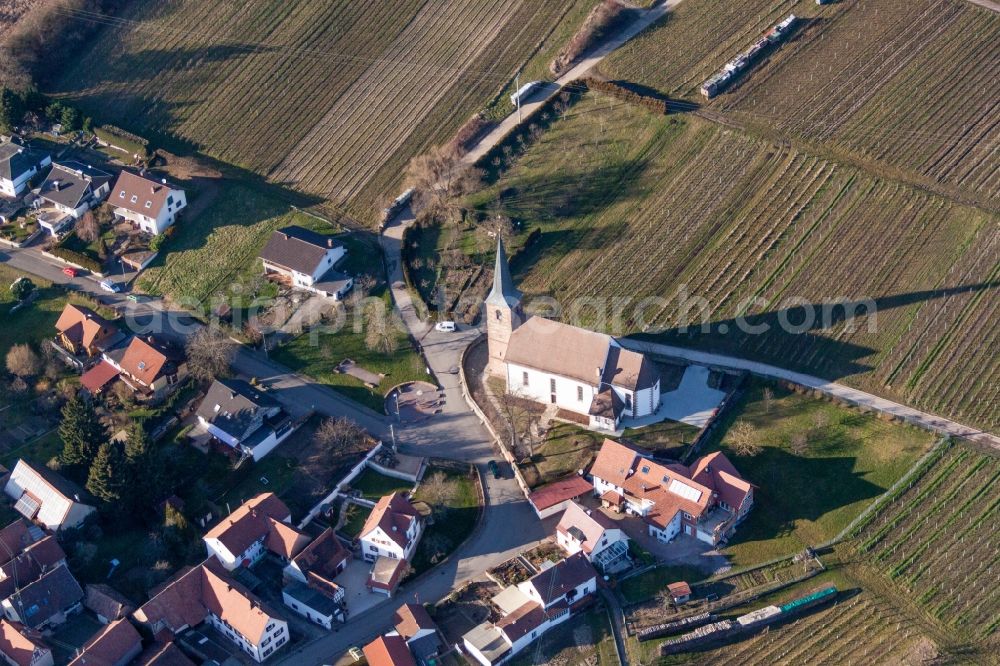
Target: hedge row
<point>75,257</point>
<point>656,104</point>
<point>122,139</point>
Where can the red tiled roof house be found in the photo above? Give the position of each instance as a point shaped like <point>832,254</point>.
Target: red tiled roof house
<point>706,500</point>
<point>148,203</point>
<point>258,526</point>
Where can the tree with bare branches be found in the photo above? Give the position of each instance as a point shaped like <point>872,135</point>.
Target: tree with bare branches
<point>209,353</point>
<point>380,332</point>
<point>87,228</point>
<point>743,437</point>
<point>439,177</point>
<point>334,439</point>
<point>22,361</point>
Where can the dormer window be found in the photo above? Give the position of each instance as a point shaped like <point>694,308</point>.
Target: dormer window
<point>121,195</point>
<point>134,198</point>
<point>645,469</point>
<point>149,204</point>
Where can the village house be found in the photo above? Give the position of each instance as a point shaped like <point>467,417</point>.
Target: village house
<point>45,497</point>
<point>116,644</point>
<point>311,590</point>
<point>107,603</point>
<point>391,530</point>
<point>595,535</point>
<point>20,646</point>
<point>47,601</point>
<point>531,608</point>
<point>206,594</point>
<point>244,418</point>
<point>30,564</point>
<point>82,332</point>
<point>304,259</point>
<point>258,526</point>
<point>70,190</point>
<point>151,205</point>
<point>388,651</point>
<point>18,165</point>
<point>163,654</point>
<point>414,625</point>
<point>151,368</point>
<point>586,373</point>
<point>386,574</point>
<point>706,500</point>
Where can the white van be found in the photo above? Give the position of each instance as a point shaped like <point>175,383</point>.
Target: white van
<point>445,326</point>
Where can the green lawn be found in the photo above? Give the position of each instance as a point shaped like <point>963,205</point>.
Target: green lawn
<point>215,254</point>
<point>670,438</point>
<point>584,640</point>
<point>807,497</point>
<point>355,519</point>
<point>280,473</point>
<point>33,323</point>
<point>316,353</point>
<point>567,448</point>
<point>39,450</point>
<point>453,522</point>
<point>646,585</point>
<point>374,485</point>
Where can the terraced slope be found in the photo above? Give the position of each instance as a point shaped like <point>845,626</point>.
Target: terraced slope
<point>332,98</point>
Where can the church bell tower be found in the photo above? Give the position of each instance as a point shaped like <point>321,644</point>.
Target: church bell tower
<point>503,313</point>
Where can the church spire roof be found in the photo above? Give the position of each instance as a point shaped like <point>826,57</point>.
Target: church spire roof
<point>503,292</point>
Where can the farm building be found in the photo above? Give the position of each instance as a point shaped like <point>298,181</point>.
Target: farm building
<point>577,370</point>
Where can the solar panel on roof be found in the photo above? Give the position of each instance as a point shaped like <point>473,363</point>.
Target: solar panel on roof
<point>27,506</point>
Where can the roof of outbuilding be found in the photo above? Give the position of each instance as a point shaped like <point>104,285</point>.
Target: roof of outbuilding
<point>297,248</point>
<point>559,491</point>
<point>388,651</point>
<point>19,643</point>
<point>113,644</point>
<point>107,601</point>
<point>410,619</point>
<point>322,556</point>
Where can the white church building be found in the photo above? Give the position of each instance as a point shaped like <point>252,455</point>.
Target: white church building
<point>577,370</point>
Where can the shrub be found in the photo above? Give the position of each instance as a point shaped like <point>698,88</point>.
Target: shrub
<point>657,104</point>
<point>77,258</point>
<point>120,138</point>
<point>602,18</point>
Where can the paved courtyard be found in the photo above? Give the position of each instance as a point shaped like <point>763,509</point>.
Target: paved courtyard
<point>359,599</point>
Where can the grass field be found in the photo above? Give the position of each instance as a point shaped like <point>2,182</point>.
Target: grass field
<point>454,520</point>
<point>901,85</point>
<point>374,485</point>
<point>332,98</point>
<point>807,497</point>
<point>581,641</point>
<point>939,537</point>
<point>35,322</point>
<point>696,211</point>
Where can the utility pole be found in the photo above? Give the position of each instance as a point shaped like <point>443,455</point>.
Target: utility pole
<point>517,93</point>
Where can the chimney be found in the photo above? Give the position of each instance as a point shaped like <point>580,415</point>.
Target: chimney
<point>163,180</point>
<point>152,190</point>
<point>329,242</point>
<point>56,184</point>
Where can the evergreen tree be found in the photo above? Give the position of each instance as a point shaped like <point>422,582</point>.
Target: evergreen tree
<point>141,480</point>
<point>11,109</point>
<point>81,432</point>
<point>106,480</point>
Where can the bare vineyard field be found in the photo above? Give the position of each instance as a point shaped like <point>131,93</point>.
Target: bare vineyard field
<point>632,206</point>
<point>939,542</point>
<point>901,85</point>
<point>11,11</point>
<point>332,98</point>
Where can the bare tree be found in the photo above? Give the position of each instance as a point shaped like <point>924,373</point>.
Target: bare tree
<point>380,334</point>
<point>820,419</point>
<point>744,439</point>
<point>517,420</point>
<point>440,176</point>
<point>768,395</point>
<point>335,438</point>
<point>800,443</point>
<point>437,490</point>
<point>23,362</point>
<point>87,228</point>
<point>209,352</point>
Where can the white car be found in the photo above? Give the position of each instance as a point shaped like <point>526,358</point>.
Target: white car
<point>108,285</point>
<point>446,326</point>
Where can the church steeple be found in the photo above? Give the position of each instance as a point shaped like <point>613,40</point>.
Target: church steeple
<point>503,293</point>
<point>503,313</point>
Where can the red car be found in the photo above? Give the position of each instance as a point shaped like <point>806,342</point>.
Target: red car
<point>71,272</point>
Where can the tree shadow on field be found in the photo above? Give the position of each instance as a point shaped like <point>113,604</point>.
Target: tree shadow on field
<point>794,337</point>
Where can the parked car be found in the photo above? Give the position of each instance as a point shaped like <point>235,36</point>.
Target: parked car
<point>446,326</point>
<point>133,297</point>
<point>108,285</point>
<point>69,271</point>
<point>494,468</point>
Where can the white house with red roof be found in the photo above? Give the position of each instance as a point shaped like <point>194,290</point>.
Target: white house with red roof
<point>595,535</point>
<point>706,500</point>
<point>260,525</point>
<point>20,646</point>
<point>150,204</point>
<point>391,530</point>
